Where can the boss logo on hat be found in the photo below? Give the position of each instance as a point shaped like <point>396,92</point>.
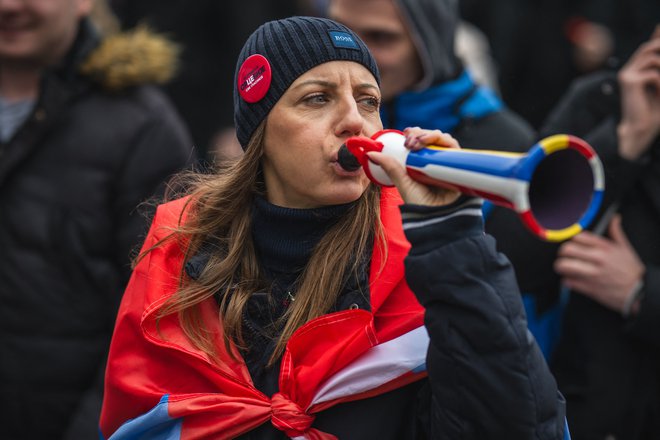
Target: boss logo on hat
<point>343,39</point>
<point>254,78</point>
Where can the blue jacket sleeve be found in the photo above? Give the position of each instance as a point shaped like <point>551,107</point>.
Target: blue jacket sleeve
<point>487,376</point>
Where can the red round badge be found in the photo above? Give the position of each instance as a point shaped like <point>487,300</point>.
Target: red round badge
<point>254,78</point>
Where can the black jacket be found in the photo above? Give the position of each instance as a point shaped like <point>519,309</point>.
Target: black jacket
<point>609,367</point>
<point>71,179</point>
<point>487,377</point>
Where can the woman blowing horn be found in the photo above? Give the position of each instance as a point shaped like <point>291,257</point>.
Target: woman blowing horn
<point>286,297</point>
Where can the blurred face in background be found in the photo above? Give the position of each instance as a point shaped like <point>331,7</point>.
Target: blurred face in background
<point>379,25</point>
<point>38,32</point>
<point>304,130</point>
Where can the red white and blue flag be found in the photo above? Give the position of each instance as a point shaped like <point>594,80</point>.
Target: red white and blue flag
<point>161,387</point>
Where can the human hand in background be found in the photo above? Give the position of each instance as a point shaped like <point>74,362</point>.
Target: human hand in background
<point>412,191</point>
<point>606,270</point>
<point>592,43</point>
<point>639,80</point>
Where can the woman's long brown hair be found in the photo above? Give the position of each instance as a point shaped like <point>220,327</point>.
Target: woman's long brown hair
<point>220,214</point>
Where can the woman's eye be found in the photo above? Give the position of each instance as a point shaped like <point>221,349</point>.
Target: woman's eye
<point>371,102</point>
<point>316,99</point>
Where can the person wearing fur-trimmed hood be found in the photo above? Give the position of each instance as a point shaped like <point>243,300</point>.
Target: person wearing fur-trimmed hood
<point>84,139</point>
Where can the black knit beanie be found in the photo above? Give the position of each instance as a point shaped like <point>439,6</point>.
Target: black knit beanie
<point>280,51</point>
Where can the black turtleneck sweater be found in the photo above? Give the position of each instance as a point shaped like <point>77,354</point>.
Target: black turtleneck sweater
<point>284,239</point>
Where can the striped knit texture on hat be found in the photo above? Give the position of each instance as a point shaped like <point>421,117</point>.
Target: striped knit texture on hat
<point>292,46</point>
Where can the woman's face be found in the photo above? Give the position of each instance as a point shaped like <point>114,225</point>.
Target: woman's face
<point>304,130</point>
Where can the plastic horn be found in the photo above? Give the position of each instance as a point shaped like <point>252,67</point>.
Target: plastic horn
<point>556,187</point>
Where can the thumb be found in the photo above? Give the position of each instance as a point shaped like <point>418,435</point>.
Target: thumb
<point>616,231</point>
<point>395,171</point>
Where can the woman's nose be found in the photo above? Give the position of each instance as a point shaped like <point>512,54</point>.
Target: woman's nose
<point>351,120</point>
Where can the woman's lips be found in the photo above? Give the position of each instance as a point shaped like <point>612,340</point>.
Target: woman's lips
<point>339,170</point>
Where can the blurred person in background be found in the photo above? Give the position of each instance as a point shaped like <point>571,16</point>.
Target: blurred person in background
<point>425,84</point>
<point>607,362</point>
<point>473,49</point>
<point>540,46</point>
<point>471,45</point>
<point>83,141</point>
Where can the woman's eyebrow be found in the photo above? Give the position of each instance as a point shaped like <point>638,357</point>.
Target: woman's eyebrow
<point>317,82</point>
<point>368,86</point>
<point>333,85</point>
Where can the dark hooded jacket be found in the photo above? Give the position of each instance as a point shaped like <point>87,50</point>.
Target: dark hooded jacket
<point>608,366</point>
<point>96,145</point>
<point>447,98</point>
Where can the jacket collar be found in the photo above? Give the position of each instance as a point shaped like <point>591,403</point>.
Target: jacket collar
<point>87,39</point>
<point>443,106</point>
<point>60,85</point>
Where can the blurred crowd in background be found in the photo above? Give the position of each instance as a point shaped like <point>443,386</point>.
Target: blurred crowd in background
<point>529,51</point>
<point>71,184</point>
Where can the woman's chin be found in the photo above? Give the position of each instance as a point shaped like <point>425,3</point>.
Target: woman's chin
<point>341,172</point>
<point>348,193</point>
